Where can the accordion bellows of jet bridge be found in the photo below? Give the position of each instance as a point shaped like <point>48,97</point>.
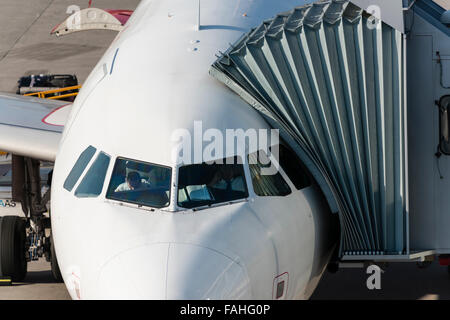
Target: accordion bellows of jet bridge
<point>331,78</point>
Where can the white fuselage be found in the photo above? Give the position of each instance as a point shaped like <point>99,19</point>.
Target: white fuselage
<point>152,81</point>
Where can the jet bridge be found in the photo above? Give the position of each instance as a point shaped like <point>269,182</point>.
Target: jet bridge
<point>333,79</point>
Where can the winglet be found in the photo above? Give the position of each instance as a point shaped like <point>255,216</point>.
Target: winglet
<point>93,19</point>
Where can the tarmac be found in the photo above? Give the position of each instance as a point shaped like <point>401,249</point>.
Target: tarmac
<point>26,47</point>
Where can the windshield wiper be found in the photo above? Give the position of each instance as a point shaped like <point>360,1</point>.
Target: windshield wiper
<point>220,204</point>
<point>132,205</point>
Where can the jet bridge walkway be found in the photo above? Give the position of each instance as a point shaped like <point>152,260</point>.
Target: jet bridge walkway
<point>332,79</point>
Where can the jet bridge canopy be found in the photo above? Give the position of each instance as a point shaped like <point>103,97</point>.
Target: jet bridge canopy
<point>332,80</point>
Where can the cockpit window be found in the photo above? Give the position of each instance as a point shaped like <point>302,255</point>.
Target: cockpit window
<point>293,167</point>
<point>207,184</point>
<point>78,168</point>
<point>140,183</point>
<point>266,185</point>
<point>92,184</point>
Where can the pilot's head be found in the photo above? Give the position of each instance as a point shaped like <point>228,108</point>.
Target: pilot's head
<point>134,180</point>
<point>227,172</point>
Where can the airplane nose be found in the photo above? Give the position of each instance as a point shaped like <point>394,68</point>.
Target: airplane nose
<point>196,273</point>
<point>137,273</point>
<point>173,271</point>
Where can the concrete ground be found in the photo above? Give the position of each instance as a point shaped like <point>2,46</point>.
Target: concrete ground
<point>26,47</point>
<point>38,285</point>
<point>404,281</point>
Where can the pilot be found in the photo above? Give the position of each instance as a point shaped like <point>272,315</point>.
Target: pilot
<point>133,182</point>
<point>228,179</point>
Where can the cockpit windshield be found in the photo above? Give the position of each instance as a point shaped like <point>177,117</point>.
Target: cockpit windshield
<point>140,183</point>
<point>207,184</point>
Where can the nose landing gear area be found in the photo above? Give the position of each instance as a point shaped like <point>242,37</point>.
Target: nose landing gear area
<point>20,279</point>
<point>14,251</point>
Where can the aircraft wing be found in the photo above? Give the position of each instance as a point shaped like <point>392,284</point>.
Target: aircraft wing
<point>32,127</point>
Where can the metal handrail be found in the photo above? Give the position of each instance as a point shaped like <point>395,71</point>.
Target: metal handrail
<point>43,94</point>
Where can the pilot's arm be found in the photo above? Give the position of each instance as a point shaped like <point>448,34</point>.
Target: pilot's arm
<point>122,187</point>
